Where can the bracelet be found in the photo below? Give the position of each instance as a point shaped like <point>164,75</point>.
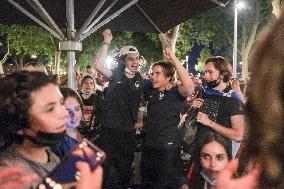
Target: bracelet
<point>106,43</point>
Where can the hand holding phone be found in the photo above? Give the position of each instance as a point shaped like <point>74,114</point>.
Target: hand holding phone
<point>66,174</point>
<point>91,179</point>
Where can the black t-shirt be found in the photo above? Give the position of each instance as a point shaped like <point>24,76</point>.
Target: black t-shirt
<point>92,110</point>
<point>122,101</point>
<point>163,116</point>
<point>220,110</point>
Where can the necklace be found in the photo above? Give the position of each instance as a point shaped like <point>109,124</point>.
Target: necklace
<point>161,95</point>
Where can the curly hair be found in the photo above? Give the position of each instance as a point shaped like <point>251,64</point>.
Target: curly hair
<point>15,102</point>
<point>265,140</point>
<point>120,61</point>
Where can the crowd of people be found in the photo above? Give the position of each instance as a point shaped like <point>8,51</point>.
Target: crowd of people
<point>238,140</point>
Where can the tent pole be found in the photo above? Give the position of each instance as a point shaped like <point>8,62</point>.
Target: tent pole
<point>219,3</point>
<point>91,17</point>
<point>148,18</point>
<point>35,19</point>
<point>70,36</point>
<point>108,19</point>
<point>45,16</point>
<point>97,19</point>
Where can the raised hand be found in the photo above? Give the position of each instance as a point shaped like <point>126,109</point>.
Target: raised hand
<point>107,36</point>
<point>169,54</point>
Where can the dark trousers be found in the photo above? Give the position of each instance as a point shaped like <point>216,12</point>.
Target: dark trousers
<point>161,168</point>
<point>119,147</point>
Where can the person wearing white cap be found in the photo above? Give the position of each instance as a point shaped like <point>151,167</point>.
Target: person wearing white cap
<point>120,109</point>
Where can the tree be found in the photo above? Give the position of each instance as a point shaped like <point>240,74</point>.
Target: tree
<point>28,40</point>
<point>250,29</point>
<point>276,7</point>
<point>204,54</point>
<point>148,45</point>
<point>220,23</point>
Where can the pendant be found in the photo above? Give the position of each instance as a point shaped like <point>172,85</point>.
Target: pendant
<point>161,95</point>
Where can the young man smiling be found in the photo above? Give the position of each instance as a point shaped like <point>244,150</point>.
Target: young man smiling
<point>161,164</point>
<point>120,108</point>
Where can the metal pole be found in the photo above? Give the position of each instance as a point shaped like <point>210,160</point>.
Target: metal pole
<point>235,47</point>
<point>187,62</point>
<point>148,18</point>
<point>108,19</point>
<point>70,35</point>
<point>88,21</point>
<point>39,22</point>
<point>71,71</point>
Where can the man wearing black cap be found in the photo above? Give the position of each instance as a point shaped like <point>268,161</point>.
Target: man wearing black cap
<point>120,110</point>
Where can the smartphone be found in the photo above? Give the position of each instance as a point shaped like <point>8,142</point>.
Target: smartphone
<point>65,175</point>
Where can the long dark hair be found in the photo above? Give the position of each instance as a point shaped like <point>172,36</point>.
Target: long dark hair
<point>15,102</point>
<point>209,137</point>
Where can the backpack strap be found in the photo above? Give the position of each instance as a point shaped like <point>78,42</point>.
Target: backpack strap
<point>229,93</point>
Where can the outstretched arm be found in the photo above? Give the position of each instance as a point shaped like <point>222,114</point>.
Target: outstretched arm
<point>102,56</point>
<point>187,86</point>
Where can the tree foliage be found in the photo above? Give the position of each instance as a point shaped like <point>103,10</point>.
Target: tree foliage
<point>147,44</point>
<point>29,40</point>
<point>204,54</point>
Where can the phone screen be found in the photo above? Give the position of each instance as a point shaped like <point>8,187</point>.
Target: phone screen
<point>66,174</point>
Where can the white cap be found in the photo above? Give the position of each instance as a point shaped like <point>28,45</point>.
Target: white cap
<point>128,49</point>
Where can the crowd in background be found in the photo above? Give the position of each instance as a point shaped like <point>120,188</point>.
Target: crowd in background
<point>138,122</point>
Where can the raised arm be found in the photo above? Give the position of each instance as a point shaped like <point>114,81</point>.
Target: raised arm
<point>186,88</point>
<point>102,56</point>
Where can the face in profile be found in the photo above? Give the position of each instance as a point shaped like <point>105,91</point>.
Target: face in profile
<point>47,112</point>
<point>73,108</point>
<point>213,159</point>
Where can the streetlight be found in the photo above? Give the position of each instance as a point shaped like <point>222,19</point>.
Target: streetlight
<point>186,61</point>
<point>237,5</point>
